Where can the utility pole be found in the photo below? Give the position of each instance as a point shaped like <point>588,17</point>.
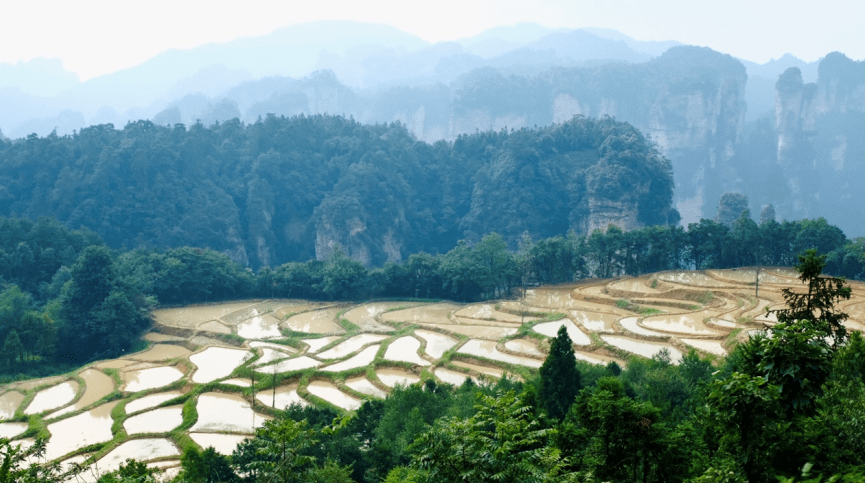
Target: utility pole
<point>757,282</point>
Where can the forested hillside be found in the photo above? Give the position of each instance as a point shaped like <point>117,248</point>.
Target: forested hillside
<point>292,189</point>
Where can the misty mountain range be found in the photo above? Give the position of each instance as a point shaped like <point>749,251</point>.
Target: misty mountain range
<point>40,96</point>
<point>726,125</point>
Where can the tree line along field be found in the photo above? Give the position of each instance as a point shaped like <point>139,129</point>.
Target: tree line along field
<point>212,374</point>
<point>67,299</point>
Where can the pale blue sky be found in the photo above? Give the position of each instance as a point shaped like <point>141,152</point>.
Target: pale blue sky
<point>94,37</point>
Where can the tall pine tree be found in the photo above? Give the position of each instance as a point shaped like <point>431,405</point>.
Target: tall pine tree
<point>560,378</point>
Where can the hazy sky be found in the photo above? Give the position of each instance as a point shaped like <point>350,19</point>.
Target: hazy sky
<point>94,37</point>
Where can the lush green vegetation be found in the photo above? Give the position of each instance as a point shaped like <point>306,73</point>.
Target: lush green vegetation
<point>788,406</point>
<point>264,193</point>
<point>66,299</point>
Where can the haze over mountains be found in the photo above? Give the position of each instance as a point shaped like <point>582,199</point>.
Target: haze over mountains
<point>726,125</point>
<point>35,94</point>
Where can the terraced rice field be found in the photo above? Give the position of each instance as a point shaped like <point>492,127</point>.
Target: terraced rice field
<point>236,364</point>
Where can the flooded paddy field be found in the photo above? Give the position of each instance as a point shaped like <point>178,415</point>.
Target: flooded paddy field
<point>350,346</point>
<point>595,321</point>
<point>160,352</point>
<point>488,350</point>
<point>280,397</point>
<point>9,403</point>
<point>550,329</point>
<point>363,358</point>
<point>289,365</point>
<point>191,317</point>
<point>525,346</point>
<point>425,314</point>
<point>150,378</point>
<point>315,322</point>
<point>405,349</point>
<point>365,386</point>
<point>222,443</point>
<point>451,377</point>
<point>333,395</point>
<point>436,344</point>
<point>310,356</point>
<point>79,431</point>
<point>217,362</point>
<point>271,355</point>
<point>151,401</point>
<point>97,385</point>
<point>159,420</point>
<point>366,316</point>
<point>643,348</point>
<point>10,430</point>
<point>477,331</point>
<point>396,377</point>
<point>486,370</point>
<point>690,324</point>
<point>53,398</point>
<point>489,312</point>
<point>226,413</point>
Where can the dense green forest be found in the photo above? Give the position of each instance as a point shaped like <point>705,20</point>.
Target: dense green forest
<point>292,189</point>
<point>786,407</point>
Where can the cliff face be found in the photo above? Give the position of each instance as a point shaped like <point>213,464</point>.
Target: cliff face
<point>820,152</point>
<point>581,175</point>
<point>689,101</point>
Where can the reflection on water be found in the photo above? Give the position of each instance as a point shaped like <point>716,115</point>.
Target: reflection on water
<point>160,352</point>
<point>288,365</point>
<point>405,349</point>
<point>96,386</point>
<point>259,327</point>
<point>333,395</point>
<point>394,377</point>
<point>551,329</point>
<point>222,443</point>
<point>643,348</point>
<point>630,324</point>
<point>526,346</point>
<point>315,322</point>
<point>151,401</point>
<point>150,378</point>
<point>488,350</point>
<point>479,331</point>
<point>363,358</point>
<point>10,430</point>
<point>428,314</point>
<point>436,344</point>
<point>79,431</point>
<point>281,398</point>
<point>490,371</point>
<point>226,413</point>
<point>316,345</point>
<point>350,345</point>
<point>217,362</point>
<point>710,346</point>
<point>451,377</point>
<point>684,324</point>
<point>139,450</point>
<point>364,315</point>
<point>363,385</point>
<point>9,403</point>
<point>157,421</point>
<point>53,397</point>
